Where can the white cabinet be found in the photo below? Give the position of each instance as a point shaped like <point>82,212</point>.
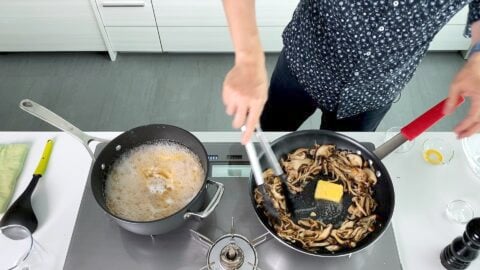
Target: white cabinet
<point>190,13</point>
<point>134,39</point>
<point>130,25</point>
<point>127,13</point>
<point>201,26</point>
<point>49,25</point>
<point>195,39</point>
<point>451,38</point>
<point>213,39</point>
<point>149,25</point>
<point>210,12</point>
<point>271,38</point>
<point>460,17</point>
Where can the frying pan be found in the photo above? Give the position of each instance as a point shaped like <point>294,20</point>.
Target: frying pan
<point>125,142</point>
<point>330,212</point>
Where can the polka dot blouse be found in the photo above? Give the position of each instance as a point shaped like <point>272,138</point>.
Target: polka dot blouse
<point>356,56</point>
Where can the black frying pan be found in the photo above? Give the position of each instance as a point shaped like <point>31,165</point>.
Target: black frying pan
<point>334,213</point>
<point>125,142</point>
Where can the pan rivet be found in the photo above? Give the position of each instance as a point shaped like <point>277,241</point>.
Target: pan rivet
<point>359,152</point>
<point>102,166</point>
<point>378,174</point>
<point>370,162</point>
<point>118,147</point>
<point>27,104</point>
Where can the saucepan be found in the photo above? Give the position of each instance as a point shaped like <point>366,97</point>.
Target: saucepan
<point>125,142</point>
<point>336,213</point>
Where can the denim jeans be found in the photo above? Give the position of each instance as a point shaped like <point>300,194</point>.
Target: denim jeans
<point>289,105</point>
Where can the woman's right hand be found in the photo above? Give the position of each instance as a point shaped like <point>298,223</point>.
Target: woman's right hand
<point>245,91</point>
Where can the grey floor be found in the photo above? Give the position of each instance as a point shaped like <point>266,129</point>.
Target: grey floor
<point>180,89</point>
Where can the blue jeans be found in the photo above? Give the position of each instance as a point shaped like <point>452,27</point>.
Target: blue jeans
<point>289,105</point>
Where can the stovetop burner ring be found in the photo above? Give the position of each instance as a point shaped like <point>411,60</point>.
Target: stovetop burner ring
<point>232,252</point>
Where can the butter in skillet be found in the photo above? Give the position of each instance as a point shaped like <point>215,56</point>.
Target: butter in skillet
<point>328,191</point>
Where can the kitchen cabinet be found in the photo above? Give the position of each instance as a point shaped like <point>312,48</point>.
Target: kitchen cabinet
<point>154,26</point>
<point>213,39</point>
<point>134,39</point>
<point>126,13</point>
<point>451,38</point>
<point>130,25</point>
<point>206,13</point>
<point>200,26</point>
<point>49,25</point>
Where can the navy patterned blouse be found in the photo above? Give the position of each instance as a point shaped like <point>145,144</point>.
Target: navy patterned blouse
<point>355,56</point>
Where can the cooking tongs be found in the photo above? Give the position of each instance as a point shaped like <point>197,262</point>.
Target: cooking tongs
<point>258,175</point>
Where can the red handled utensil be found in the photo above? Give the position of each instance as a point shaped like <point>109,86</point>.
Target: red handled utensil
<point>415,128</point>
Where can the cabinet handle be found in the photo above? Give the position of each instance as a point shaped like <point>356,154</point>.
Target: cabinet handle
<point>130,3</point>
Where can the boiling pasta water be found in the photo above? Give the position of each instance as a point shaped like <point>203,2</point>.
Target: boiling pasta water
<point>153,181</point>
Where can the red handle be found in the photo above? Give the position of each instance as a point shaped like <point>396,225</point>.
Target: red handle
<point>426,120</point>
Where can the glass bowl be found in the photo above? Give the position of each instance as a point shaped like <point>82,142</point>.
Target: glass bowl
<point>459,211</point>
<point>437,151</point>
<point>471,147</point>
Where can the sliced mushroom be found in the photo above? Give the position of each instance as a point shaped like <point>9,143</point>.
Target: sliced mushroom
<point>345,234</point>
<point>339,173</point>
<point>359,203</point>
<point>355,160</point>
<point>361,233</point>
<point>339,240</point>
<point>333,248</point>
<point>318,244</point>
<point>300,153</point>
<point>372,178</point>
<point>306,223</point>
<point>324,151</point>
<point>347,225</point>
<point>342,158</point>
<point>350,189</point>
<point>358,175</point>
<point>325,233</point>
<point>314,170</point>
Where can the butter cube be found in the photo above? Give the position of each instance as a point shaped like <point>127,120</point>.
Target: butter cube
<point>328,191</point>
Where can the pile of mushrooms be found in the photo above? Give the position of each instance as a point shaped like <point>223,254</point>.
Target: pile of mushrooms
<point>327,163</point>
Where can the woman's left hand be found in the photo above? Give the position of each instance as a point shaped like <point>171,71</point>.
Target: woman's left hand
<point>467,84</point>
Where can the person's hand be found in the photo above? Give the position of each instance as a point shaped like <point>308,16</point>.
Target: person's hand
<point>245,91</point>
<point>467,84</point>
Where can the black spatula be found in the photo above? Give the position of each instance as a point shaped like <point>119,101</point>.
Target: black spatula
<point>21,211</point>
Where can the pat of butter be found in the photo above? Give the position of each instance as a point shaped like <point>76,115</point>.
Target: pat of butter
<point>328,191</point>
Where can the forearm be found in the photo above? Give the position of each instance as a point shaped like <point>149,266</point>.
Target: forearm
<point>475,32</point>
<point>243,30</point>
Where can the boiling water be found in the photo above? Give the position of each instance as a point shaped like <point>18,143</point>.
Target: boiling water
<point>153,181</point>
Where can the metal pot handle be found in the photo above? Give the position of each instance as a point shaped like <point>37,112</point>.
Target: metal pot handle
<point>213,203</point>
<point>50,117</point>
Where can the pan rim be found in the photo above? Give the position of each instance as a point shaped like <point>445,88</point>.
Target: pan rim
<point>124,134</point>
<point>379,164</point>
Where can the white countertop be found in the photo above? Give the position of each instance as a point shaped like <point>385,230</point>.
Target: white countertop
<point>422,192</point>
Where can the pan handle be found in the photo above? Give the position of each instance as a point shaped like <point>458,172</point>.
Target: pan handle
<point>50,117</point>
<point>213,203</point>
<point>426,120</point>
<point>415,128</point>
